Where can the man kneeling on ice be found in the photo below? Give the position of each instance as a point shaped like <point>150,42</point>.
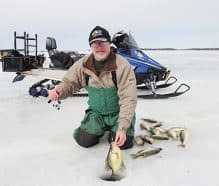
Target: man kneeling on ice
<point>111,86</point>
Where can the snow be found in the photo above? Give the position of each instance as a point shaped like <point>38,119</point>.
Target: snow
<point>37,148</point>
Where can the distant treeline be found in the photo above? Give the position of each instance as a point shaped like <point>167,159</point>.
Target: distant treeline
<point>180,49</point>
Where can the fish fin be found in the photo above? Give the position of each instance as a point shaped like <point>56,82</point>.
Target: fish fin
<point>145,155</point>
<point>149,120</point>
<point>140,151</point>
<point>134,156</point>
<point>107,167</point>
<point>123,166</point>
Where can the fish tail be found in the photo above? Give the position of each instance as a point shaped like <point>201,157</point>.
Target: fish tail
<point>114,177</point>
<point>134,156</point>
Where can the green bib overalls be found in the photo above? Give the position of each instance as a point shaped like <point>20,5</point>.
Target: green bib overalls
<point>103,112</point>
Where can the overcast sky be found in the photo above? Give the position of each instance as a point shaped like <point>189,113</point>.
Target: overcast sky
<point>154,23</point>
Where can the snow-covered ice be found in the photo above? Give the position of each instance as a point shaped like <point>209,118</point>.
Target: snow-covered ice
<point>37,148</point>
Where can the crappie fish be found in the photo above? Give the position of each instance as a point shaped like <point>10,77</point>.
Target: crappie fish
<point>174,132</point>
<point>148,126</point>
<point>148,139</point>
<point>149,120</point>
<point>155,125</point>
<point>155,131</point>
<point>183,136</point>
<point>161,130</point>
<point>160,137</point>
<point>146,152</point>
<point>114,162</point>
<point>139,140</point>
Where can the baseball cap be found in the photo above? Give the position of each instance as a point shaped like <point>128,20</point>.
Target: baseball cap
<point>99,33</point>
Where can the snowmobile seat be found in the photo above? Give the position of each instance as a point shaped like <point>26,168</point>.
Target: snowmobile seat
<point>60,59</point>
<point>50,43</point>
<point>51,47</point>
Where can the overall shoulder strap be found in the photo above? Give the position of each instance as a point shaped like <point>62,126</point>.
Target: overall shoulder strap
<point>114,79</point>
<point>86,76</point>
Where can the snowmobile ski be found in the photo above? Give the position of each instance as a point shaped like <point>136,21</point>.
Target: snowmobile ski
<point>168,95</point>
<point>170,81</point>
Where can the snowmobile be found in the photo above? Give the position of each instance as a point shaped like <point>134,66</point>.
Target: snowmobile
<point>149,73</point>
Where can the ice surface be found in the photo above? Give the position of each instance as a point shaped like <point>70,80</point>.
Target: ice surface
<point>37,148</point>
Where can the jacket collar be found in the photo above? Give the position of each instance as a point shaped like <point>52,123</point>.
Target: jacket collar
<point>110,63</point>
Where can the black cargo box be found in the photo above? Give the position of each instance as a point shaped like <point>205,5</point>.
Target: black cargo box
<point>16,64</point>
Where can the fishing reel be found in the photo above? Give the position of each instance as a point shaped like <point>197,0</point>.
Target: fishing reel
<point>56,104</point>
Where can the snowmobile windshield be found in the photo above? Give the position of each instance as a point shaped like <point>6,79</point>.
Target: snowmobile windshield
<point>132,41</point>
<point>122,40</point>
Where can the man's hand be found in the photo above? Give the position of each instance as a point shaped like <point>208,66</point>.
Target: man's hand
<point>120,137</point>
<point>55,93</point>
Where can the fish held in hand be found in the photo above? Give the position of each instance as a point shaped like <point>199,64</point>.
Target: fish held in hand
<point>114,162</point>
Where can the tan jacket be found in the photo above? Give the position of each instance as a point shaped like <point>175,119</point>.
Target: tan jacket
<point>74,80</point>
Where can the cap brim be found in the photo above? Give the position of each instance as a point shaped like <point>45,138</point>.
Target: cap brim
<point>98,39</point>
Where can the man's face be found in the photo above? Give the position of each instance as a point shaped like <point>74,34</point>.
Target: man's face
<point>100,50</point>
